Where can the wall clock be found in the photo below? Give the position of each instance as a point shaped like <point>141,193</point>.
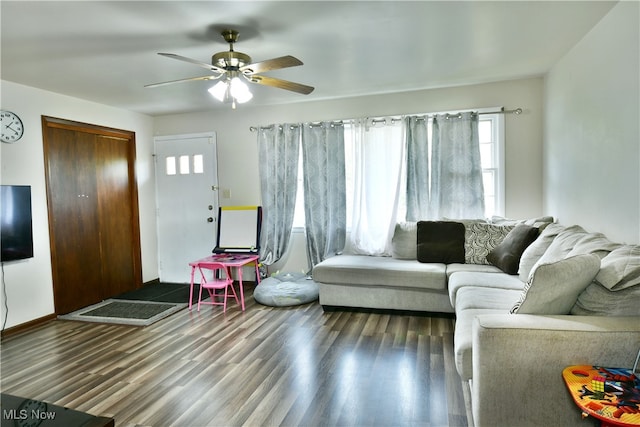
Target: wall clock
<point>12,128</point>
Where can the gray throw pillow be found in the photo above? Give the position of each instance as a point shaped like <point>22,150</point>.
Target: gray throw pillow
<point>404,243</point>
<point>536,250</point>
<point>554,288</point>
<point>506,256</point>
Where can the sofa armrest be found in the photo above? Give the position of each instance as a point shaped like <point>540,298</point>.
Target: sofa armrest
<point>518,362</point>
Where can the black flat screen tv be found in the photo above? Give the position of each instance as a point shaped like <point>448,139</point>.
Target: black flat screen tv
<point>16,232</point>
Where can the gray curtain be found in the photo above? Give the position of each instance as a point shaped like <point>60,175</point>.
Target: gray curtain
<point>278,153</point>
<point>417,167</point>
<point>457,190</point>
<point>323,163</point>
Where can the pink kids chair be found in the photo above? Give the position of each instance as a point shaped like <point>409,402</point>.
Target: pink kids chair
<point>221,279</point>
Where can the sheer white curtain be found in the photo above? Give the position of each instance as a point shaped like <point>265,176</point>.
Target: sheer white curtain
<point>278,150</point>
<point>457,190</point>
<point>323,163</point>
<point>378,152</point>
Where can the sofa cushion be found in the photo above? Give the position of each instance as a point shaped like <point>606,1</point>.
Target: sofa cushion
<point>535,250</point>
<point>404,243</point>
<point>594,243</point>
<point>506,255</point>
<point>462,279</point>
<point>463,340</point>
<point>480,239</point>
<point>620,269</point>
<point>385,271</point>
<point>471,298</point>
<point>563,243</point>
<point>616,288</point>
<point>473,268</point>
<point>554,288</point>
<point>440,242</point>
<point>597,300</point>
<point>476,301</point>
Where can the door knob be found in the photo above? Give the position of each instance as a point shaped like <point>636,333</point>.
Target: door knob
<point>209,219</point>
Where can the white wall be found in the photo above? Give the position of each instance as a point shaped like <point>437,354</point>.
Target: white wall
<point>238,160</point>
<point>29,283</point>
<point>592,129</point>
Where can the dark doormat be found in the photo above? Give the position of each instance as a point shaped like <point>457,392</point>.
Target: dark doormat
<point>161,292</point>
<point>122,312</point>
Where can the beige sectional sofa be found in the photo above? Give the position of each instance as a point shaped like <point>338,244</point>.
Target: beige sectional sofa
<point>572,297</point>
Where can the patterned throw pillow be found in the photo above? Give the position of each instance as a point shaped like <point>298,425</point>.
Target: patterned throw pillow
<point>481,238</point>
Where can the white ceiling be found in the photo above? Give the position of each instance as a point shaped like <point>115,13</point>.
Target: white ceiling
<point>106,51</point>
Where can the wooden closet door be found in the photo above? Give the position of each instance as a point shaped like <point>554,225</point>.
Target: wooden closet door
<point>116,213</point>
<point>73,215</point>
<point>93,214</point>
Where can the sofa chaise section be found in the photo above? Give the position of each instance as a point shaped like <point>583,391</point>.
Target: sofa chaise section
<point>382,283</point>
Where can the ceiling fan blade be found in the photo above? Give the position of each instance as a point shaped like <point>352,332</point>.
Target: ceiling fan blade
<point>191,79</point>
<point>270,64</point>
<point>193,61</point>
<point>282,84</point>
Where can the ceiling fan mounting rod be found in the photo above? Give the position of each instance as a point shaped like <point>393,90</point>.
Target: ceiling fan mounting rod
<point>230,36</point>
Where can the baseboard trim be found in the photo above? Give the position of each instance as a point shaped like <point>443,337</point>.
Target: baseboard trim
<point>27,325</point>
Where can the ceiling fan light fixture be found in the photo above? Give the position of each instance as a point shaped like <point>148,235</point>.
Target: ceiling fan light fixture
<point>220,91</point>
<point>231,91</point>
<point>239,90</point>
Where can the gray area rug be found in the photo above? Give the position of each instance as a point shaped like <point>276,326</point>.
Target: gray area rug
<point>123,312</point>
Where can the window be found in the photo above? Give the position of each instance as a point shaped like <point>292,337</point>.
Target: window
<point>491,135</point>
<point>198,163</point>
<point>170,165</point>
<point>184,163</point>
<point>491,138</point>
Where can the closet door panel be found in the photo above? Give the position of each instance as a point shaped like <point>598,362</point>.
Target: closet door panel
<point>116,215</point>
<point>75,236</point>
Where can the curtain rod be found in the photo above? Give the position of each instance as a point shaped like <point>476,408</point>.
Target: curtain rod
<point>516,111</point>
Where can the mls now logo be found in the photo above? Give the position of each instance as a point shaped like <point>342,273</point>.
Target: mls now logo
<point>28,414</point>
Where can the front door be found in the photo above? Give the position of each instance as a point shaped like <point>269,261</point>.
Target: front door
<point>187,202</point>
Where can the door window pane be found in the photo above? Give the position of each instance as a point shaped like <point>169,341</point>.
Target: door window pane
<point>170,165</point>
<point>184,165</point>
<point>198,163</point>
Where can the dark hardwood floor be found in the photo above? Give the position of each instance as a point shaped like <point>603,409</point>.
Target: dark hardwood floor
<point>264,367</point>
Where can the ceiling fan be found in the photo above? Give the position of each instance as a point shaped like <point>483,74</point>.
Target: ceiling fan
<point>232,67</point>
